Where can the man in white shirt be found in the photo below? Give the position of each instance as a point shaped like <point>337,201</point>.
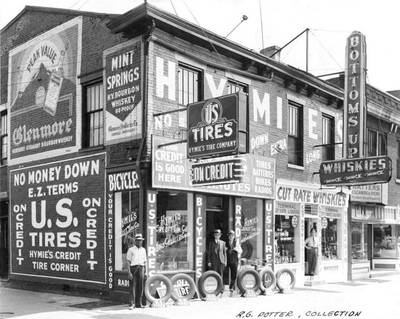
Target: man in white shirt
<point>137,260</point>
<point>311,244</point>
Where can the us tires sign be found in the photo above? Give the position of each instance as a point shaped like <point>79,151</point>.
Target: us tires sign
<point>57,218</point>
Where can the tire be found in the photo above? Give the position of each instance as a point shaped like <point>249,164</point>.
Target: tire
<point>204,277</point>
<point>151,280</point>
<point>282,286</point>
<point>242,274</point>
<point>192,287</point>
<point>271,282</point>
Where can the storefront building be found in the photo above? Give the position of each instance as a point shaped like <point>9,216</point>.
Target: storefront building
<point>299,208</point>
<point>115,161</point>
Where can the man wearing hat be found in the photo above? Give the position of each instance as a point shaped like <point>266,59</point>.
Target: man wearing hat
<point>216,254</point>
<point>137,259</point>
<point>233,251</point>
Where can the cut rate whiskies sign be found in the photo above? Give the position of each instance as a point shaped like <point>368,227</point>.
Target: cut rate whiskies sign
<point>355,98</point>
<point>213,127</point>
<point>356,171</point>
<point>57,218</point>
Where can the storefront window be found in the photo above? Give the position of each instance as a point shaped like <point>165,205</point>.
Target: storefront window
<point>127,225</point>
<point>251,238</point>
<point>359,244</point>
<point>174,241</point>
<point>286,237</point>
<point>329,238</point>
<point>385,241</point>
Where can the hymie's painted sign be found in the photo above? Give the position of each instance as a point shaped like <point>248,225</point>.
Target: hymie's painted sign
<point>213,127</point>
<point>355,97</point>
<point>43,93</point>
<point>57,213</point>
<point>123,92</point>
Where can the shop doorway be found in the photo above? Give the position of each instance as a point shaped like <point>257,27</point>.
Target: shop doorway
<point>4,252</point>
<point>309,223</point>
<point>217,216</point>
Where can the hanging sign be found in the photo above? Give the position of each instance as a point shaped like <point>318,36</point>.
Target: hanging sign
<point>225,171</point>
<point>213,127</point>
<point>356,171</point>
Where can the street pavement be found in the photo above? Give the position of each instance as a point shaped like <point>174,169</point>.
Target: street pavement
<point>371,298</point>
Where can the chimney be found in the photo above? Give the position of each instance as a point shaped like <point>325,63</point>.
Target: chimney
<point>269,51</point>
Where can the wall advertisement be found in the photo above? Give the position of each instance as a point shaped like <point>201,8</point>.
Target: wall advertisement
<point>44,94</point>
<point>287,192</point>
<point>57,213</point>
<point>123,92</point>
<point>171,170</point>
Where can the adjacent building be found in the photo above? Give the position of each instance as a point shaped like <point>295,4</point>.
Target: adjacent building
<point>94,147</point>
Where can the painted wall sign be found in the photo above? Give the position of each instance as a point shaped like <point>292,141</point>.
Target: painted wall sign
<point>213,127</point>
<point>44,94</point>
<point>121,181</point>
<point>355,95</point>
<point>57,210</point>
<point>376,193</point>
<point>219,171</point>
<point>269,233</point>
<point>278,147</point>
<point>200,234</point>
<point>171,170</point>
<point>356,171</point>
<point>151,231</point>
<point>306,195</point>
<point>123,92</point>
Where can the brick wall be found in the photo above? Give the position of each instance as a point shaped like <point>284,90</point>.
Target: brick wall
<point>258,90</point>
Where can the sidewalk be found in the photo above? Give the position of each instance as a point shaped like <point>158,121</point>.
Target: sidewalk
<point>370,298</point>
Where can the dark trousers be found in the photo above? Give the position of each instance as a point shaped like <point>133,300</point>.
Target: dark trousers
<point>312,260</point>
<point>218,267</point>
<point>233,270</point>
<point>137,283</point>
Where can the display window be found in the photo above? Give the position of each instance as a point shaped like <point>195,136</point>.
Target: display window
<point>386,240</point>
<point>359,243</point>
<point>251,223</point>
<point>174,244</point>
<point>127,225</point>
<point>286,239</point>
<point>329,238</point>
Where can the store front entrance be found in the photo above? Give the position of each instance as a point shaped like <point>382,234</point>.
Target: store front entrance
<point>4,240</point>
<point>309,223</point>
<point>217,217</point>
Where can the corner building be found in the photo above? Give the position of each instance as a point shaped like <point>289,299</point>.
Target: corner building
<point>97,128</point>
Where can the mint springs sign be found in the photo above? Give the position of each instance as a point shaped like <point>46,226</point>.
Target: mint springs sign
<point>213,127</point>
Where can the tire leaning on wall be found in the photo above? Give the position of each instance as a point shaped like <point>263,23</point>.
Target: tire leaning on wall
<point>203,278</point>
<point>240,283</point>
<point>279,283</point>
<point>165,280</point>
<point>271,283</point>
<point>192,287</point>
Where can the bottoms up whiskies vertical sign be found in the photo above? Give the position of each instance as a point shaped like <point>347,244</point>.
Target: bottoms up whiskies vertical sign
<point>57,218</point>
<point>355,99</point>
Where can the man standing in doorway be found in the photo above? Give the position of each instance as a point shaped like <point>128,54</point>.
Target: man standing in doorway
<point>233,251</point>
<point>137,259</point>
<point>217,253</point>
